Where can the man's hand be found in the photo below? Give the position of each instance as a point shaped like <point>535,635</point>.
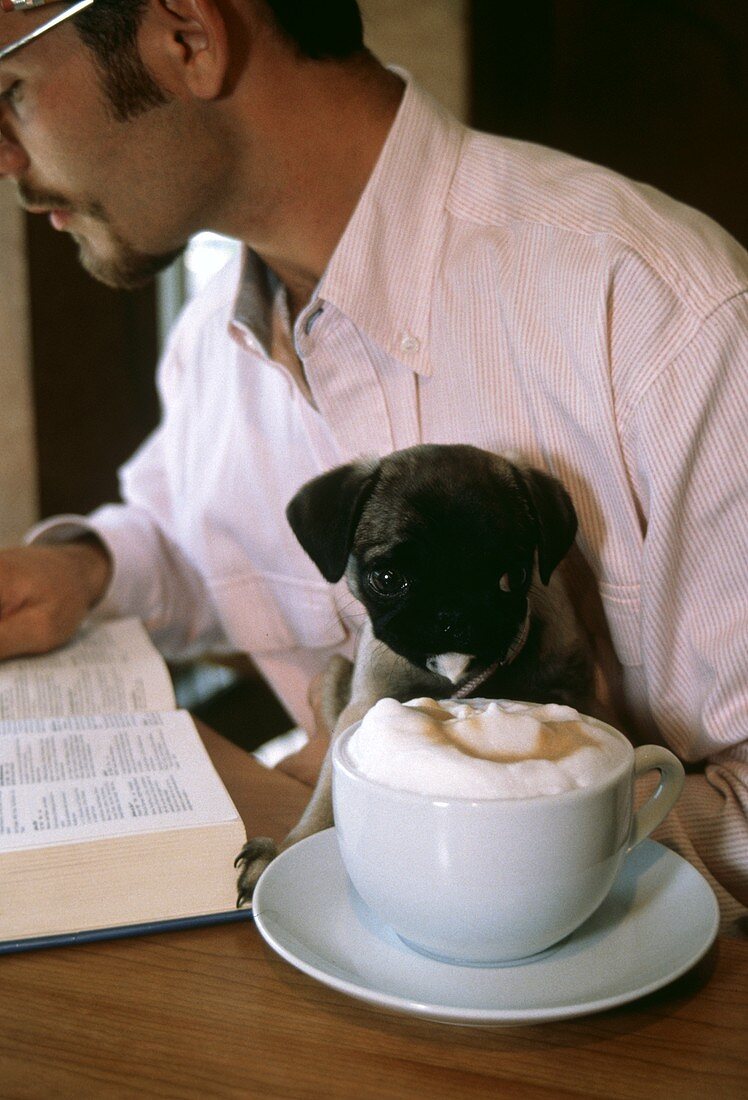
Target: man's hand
<point>47,591</point>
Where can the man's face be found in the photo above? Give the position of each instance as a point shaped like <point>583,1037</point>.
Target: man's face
<point>129,192</point>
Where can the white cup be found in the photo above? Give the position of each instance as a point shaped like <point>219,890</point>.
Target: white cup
<point>493,880</point>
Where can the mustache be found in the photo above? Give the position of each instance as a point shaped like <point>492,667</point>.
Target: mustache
<point>31,197</point>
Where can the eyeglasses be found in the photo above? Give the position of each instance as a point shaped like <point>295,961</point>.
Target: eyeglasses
<point>28,5</point>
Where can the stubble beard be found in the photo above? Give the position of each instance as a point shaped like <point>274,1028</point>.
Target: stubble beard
<point>118,264</point>
<point>123,268</point>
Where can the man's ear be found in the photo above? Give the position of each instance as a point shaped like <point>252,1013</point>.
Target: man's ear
<point>324,515</point>
<point>554,515</point>
<point>185,44</point>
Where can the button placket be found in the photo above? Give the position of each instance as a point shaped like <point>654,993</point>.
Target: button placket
<point>349,392</point>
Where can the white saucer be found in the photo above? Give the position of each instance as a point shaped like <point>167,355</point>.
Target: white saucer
<point>659,919</point>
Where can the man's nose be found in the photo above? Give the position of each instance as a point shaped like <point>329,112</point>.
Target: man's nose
<point>13,160</point>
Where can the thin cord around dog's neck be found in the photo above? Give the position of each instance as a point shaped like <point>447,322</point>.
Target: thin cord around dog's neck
<point>511,654</point>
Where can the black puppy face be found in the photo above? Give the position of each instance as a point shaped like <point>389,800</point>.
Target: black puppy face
<point>443,563</point>
<point>439,544</point>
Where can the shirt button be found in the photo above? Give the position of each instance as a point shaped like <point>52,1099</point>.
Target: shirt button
<point>409,343</point>
<point>312,318</point>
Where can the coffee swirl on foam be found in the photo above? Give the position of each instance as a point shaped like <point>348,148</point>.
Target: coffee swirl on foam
<point>482,748</point>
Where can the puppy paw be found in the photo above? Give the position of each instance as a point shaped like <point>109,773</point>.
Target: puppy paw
<point>254,857</point>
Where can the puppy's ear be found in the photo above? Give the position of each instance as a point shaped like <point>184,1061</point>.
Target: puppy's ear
<point>325,512</point>
<point>555,517</point>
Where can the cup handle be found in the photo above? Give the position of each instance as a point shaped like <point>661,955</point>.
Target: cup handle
<point>672,777</point>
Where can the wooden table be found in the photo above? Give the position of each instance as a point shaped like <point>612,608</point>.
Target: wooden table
<point>215,1013</point>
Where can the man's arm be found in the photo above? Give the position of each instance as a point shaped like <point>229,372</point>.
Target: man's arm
<point>122,560</point>
<point>688,440</point>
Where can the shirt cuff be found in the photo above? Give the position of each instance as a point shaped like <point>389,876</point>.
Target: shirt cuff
<point>59,529</point>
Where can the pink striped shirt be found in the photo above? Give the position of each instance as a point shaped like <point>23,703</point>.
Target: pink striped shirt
<point>498,293</point>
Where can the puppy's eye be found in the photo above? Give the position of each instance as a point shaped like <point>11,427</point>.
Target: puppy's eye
<point>513,580</point>
<point>387,582</point>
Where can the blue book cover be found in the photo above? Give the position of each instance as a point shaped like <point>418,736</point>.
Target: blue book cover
<point>70,939</point>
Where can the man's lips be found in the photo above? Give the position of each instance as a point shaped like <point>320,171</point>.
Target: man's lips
<point>60,219</point>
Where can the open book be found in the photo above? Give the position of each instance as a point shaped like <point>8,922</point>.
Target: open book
<point>113,819</point>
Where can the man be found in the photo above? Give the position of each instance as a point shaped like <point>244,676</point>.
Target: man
<point>404,280</point>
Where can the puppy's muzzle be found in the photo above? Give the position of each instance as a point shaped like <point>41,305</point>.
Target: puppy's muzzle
<point>456,666</point>
<point>452,666</point>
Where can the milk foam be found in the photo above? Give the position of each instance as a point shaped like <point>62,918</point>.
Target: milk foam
<point>482,748</point>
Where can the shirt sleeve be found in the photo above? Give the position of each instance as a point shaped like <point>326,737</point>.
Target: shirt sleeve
<point>153,577</point>
<point>688,436</point>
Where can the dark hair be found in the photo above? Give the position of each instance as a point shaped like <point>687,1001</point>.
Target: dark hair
<point>321,30</point>
<point>110,30</point>
<point>325,30</point>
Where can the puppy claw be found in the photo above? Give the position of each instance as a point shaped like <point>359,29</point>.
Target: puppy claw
<point>258,846</point>
<point>255,856</point>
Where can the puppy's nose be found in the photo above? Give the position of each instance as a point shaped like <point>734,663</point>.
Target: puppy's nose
<point>451,626</point>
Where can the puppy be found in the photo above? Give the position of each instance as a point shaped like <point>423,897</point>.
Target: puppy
<point>453,552</point>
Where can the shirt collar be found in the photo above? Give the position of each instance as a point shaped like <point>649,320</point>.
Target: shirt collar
<point>253,304</point>
<point>382,272</point>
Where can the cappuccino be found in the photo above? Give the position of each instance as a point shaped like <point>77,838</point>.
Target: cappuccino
<point>483,749</point>
<point>484,832</point>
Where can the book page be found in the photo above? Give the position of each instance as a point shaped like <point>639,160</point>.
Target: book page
<point>108,668</point>
<point>64,780</point>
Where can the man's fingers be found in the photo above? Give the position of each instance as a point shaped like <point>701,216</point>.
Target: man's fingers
<point>46,592</point>
<point>30,630</point>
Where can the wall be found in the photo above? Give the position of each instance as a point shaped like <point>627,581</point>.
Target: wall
<point>18,471</point>
<point>429,39</point>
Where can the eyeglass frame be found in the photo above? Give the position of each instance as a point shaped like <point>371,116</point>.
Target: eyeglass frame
<point>30,5</point>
